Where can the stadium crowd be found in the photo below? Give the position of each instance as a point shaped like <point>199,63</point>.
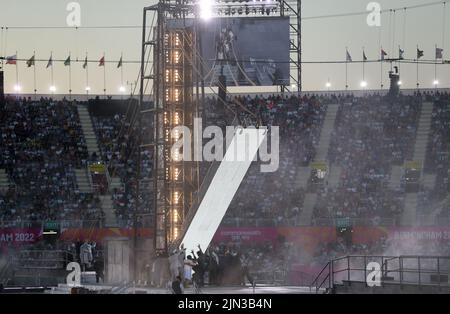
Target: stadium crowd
<point>42,143</point>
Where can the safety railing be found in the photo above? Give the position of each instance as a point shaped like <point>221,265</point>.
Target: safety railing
<point>401,270</point>
<point>226,222</point>
<point>42,259</point>
<point>271,277</point>
<point>6,270</point>
<point>295,222</point>
<point>145,222</point>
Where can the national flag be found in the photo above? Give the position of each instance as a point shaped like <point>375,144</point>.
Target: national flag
<point>85,64</point>
<point>364,56</point>
<point>67,62</point>
<point>31,61</point>
<point>419,53</point>
<point>50,62</point>
<point>383,54</point>
<point>102,62</point>
<point>120,63</point>
<point>401,52</point>
<point>349,57</point>
<point>11,59</point>
<point>439,52</point>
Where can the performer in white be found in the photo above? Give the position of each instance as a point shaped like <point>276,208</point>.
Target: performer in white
<point>86,255</point>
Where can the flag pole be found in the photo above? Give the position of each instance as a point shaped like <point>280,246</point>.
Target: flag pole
<point>52,75</point>
<point>417,68</point>
<point>381,69</point>
<point>87,75</point>
<point>363,65</point>
<point>70,76</point>
<point>34,73</point>
<point>346,68</point>
<point>17,71</point>
<point>121,74</point>
<point>121,69</point>
<point>2,49</point>
<point>435,65</point>
<point>104,75</point>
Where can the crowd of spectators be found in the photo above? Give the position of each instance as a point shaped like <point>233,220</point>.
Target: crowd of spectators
<point>275,196</point>
<point>41,145</point>
<point>118,142</point>
<point>371,135</point>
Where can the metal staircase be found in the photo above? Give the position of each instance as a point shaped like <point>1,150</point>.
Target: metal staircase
<point>322,153</point>
<point>396,177</point>
<point>397,274</point>
<point>327,130</point>
<point>308,209</point>
<point>409,216</point>
<point>88,130</point>
<point>83,182</point>
<point>108,210</point>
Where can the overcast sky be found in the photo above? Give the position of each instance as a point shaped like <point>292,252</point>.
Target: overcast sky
<point>323,39</point>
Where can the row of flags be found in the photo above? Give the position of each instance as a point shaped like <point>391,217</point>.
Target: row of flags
<point>439,54</point>
<point>32,61</point>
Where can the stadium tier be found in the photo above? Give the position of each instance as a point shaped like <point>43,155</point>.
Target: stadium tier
<point>348,167</point>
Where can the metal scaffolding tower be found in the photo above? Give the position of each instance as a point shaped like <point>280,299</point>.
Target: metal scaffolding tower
<point>171,63</point>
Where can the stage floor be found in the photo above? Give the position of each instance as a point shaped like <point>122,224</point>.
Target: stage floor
<point>261,289</point>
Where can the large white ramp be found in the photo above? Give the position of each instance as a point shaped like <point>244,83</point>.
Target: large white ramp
<point>238,158</point>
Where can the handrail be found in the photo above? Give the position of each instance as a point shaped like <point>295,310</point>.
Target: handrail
<point>5,270</point>
<point>315,281</point>
<point>411,274</point>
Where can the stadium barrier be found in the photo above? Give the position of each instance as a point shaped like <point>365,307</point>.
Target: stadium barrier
<point>400,271</point>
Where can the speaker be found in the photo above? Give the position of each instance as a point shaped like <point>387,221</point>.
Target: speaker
<point>2,86</point>
<point>394,88</point>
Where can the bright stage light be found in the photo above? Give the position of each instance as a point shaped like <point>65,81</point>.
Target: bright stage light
<point>436,82</point>
<point>122,89</point>
<point>88,89</point>
<point>400,83</point>
<point>17,88</point>
<point>363,84</point>
<point>52,88</point>
<point>206,9</point>
<point>328,84</point>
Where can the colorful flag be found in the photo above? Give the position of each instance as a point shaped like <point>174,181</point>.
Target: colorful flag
<point>364,56</point>
<point>11,59</point>
<point>439,52</point>
<point>383,54</point>
<point>120,63</point>
<point>102,62</point>
<point>419,53</point>
<point>349,57</point>
<point>50,62</point>
<point>67,62</point>
<point>85,64</point>
<point>401,52</point>
<point>31,62</point>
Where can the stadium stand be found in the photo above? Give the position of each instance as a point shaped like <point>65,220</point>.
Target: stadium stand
<point>341,156</point>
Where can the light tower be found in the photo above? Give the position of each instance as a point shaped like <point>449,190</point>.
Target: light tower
<point>176,77</point>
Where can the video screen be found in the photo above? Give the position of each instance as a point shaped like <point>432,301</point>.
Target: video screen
<point>247,51</point>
